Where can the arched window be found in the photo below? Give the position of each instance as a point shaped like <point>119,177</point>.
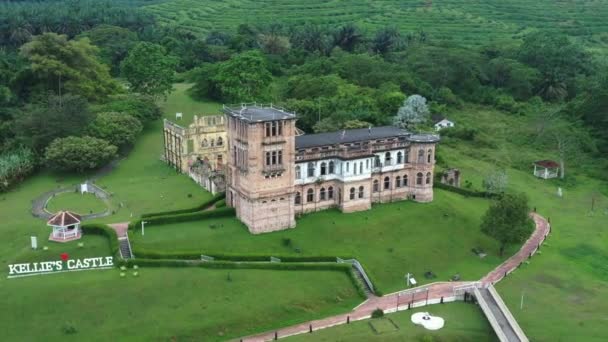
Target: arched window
<point>377,161</point>
<point>399,157</point>
<point>428,178</point>
<point>376,186</point>
<point>419,177</point>
<point>429,156</point>
<point>330,192</point>
<point>331,167</point>
<point>361,167</point>
<point>311,170</point>
<point>387,183</point>
<point>298,172</point>
<point>361,192</point>
<point>219,141</point>
<point>421,156</point>
<point>204,143</point>
<point>310,196</point>
<point>298,198</point>
<point>387,158</point>
<point>352,193</point>
<point>212,143</point>
<point>398,182</point>
<point>367,163</point>
<point>355,167</point>
<point>404,180</point>
<point>323,168</point>
<point>322,194</point>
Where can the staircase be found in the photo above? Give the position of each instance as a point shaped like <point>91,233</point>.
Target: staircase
<point>125,247</point>
<point>498,314</point>
<point>362,282</point>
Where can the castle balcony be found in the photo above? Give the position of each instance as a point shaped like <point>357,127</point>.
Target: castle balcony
<point>268,169</point>
<point>341,153</point>
<point>394,145</point>
<point>273,140</point>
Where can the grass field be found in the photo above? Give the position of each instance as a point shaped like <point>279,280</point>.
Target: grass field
<point>463,322</point>
<point>76,202</point>
<point>167,304</point>
<point>390,240</point>
<point>466,22</point>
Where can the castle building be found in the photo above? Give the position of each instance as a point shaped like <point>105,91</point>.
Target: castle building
<point>199,150</point>
<point>273,175</point>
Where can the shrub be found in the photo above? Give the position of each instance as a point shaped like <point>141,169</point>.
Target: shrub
<point>378,313</point>
<point>79,153</point>
<point>141,107</point>
<point>187,217</point>
<point>464,191</point>
<point>15,166</point>
<point>215,199</point>
<point>119,129</point>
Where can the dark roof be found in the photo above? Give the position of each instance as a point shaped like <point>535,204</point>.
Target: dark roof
<point>64,218</point>
<point>348,136</point>
<point>546,163</point>
<point>258,113</point>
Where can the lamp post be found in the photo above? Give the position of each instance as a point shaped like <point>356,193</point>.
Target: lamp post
<point>407,279</point>
<point>142,227</point>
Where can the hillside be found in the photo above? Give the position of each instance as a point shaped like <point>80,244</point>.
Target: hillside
<point>470,23</point>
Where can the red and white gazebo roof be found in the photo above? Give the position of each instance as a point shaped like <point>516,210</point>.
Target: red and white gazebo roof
<point>549,164</point>
<point>64,219</point>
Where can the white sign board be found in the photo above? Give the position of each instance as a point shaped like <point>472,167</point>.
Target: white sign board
<point>58,266</point>
<point>84,188</point>
<point>34,242</point>
<point>178,116</point>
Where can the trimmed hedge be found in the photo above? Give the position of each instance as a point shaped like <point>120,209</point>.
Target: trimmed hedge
<point>104,230</point>
<point>465,192</point>
<point>222,212</point>
<point>286,266</point>
<point>195,255</point>
<point>218,197</point>
<point>221,203</point>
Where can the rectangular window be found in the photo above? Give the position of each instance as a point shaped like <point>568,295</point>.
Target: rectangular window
<point>280,157</point>
<point>267,128</point>
<point>274,157</point>
<point>267,158</point>
<point>280,127</point>
<point>274,128</point>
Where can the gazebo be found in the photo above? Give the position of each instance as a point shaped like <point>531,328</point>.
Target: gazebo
<point>546,169</point>
<point>66,226</point>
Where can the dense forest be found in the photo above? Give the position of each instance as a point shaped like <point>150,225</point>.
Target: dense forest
<point>79,79</point>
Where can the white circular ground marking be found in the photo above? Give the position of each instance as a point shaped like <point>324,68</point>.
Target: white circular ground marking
<point>427,321</point>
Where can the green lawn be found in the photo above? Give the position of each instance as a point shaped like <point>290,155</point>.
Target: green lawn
<point>76,202</point>
<point>183,304</point>
<point>390,240</point>
<point>463,322</point>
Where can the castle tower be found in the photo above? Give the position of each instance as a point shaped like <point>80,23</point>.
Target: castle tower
<point>260,179</point>
<point>422,157</point>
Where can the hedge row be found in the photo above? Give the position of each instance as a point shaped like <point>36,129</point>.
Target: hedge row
<point>287,266</point>
<point>104,230</point>
<point>196,216</point>
<point>195,255</point>
<point>216,198</point>
<point>465,192</point>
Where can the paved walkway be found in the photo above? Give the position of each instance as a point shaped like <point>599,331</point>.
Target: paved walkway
<point>120,228</point>
<point>422,295</point>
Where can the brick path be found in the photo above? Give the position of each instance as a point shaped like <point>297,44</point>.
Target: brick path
<point>399,300</point>
<point>120,228</point>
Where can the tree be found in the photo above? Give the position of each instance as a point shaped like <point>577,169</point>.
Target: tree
<point>243,78</point>
<point>149,69</point>
<point>413,112</point>
<point>113,42</point>
<point>496,182</point>
<point>507,220</point>
<point>347,37</point>
<point>274,44</point>
<point>559,61</point>
<point>54,117</point>
<point>61,66</point>
<point>79,153</point>
<point>118,129</point>
<point>14,166</point>
<point>387,40</point>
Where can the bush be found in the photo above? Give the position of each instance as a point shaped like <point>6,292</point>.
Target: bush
<point>79,153</point>
<point>215,199</point>
<point>462,133</point>
<point>15,166</point>
<point>104,230</point>
<point>463,191</point>
<point>142,107</point>
<point>187,217</point>
<point>119,129</point>
<point>378,313</point>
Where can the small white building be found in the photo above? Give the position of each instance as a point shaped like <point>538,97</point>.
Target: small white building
<point>66,226</point>
<point>546,169</point>
<point>440,122</point>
